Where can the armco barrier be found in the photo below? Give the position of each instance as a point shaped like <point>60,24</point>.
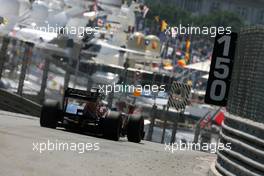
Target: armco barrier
<point>246,157</point>
<point>243,126</point>
<point>15,103</point>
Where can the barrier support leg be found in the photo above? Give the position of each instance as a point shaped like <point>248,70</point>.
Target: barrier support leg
<point>25,62</point>
<point>163,132</point>
<point>3,51</point>
<point>44,81</point>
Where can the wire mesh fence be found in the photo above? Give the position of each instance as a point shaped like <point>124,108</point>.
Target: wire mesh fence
<point>247,85</point>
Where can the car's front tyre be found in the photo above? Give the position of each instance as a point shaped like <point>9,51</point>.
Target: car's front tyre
<point>50,114</point>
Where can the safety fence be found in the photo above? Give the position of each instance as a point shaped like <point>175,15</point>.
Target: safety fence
<point>244,122</point>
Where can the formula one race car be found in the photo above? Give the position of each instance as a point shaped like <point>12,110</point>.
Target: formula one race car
<point>86,111</point>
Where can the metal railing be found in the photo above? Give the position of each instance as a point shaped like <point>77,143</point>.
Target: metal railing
<point>15,103</point>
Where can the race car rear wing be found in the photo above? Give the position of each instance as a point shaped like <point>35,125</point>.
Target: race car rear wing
<point>82,94</point>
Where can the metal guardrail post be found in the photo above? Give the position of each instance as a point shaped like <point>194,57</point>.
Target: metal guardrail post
<point>44,81</point>
<point>67,76</point>
<point>67,79</point>
<point>175,128</point>
<point>89,83</point>
<point>163,132</point>
<point>70,47</point>
<point>152,123</point>
<point>25,62</point>
<point>153,113</point>
<point>76,72</point>
<point>91,70</point>
<point>12,60</point>
<point>3,51</point>
<point>164,125</point>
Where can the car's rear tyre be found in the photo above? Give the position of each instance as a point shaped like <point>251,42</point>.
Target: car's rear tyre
<point>50,114</point>
<point>112,126</point>
<point>135,129</point>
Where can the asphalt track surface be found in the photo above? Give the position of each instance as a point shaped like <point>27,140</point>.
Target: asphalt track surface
<point>18,156</point>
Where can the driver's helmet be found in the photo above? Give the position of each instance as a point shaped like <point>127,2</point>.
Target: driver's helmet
<point>90,106</point>
<point>90,109</point>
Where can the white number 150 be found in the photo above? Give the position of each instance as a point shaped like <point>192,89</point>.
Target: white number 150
<point>221,63</point>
